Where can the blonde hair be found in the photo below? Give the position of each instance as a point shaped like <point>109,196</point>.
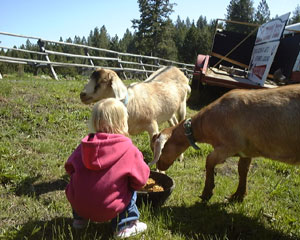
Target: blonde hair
<point>110,116</point>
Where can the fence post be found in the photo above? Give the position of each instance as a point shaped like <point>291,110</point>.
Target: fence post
<point>141,62</point>
<point>42,49</point>
<point>156,62</point>
<point>86,51</point>
<point>120,65</point>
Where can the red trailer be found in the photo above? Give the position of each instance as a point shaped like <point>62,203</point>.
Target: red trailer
<point>230,60</point>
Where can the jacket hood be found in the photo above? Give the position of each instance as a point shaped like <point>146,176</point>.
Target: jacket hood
<point>102,150</point>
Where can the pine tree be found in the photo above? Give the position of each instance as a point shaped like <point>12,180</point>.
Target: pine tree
<point>262,14</point>
<point>180,32</point>
<point>188,22</point>
<point>114,43</point>
<point>202,22</point>
<point>191,45</point>
<point>242,11</point>
<point>127,43</point>
<point>166,46</point>
<point>296,16</point>
<point>152,24</point>
<point>104,39</point>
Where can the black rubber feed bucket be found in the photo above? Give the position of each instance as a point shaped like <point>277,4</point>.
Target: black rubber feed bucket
<point>156,199</point>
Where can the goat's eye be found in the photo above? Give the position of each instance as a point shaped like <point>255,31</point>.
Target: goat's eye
<point>97,86</point>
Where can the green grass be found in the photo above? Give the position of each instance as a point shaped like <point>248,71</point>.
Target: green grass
<point>43,120</point>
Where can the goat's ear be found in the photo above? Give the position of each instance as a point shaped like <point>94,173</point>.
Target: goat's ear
<point>153,139</point>
<point>158,146</point>
<point>117,86</point>
<point>96,74</point>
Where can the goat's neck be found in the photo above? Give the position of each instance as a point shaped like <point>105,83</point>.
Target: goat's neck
<point>197,129</point>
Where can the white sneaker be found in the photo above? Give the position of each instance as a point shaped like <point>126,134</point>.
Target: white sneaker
<point>133,229</point>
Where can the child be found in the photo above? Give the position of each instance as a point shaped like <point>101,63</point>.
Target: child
<point>106,169</point>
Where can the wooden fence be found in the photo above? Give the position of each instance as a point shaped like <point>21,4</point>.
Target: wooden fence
<point>120,62</point>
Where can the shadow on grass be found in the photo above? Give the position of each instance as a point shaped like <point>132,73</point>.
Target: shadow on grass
<point>28,186</point>
<point>202,221</point>
<point>199,221</point>
<point>61,228</point>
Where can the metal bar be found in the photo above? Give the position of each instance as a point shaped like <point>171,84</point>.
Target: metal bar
<point>241,23</point>
<point>236,46</point>
<point>22,50</point>
<point>138,63</point>
<point>60,64</point>
<point>18,35</point>
<point>80,56</point>
<point>12,61</point>
<point>229,60</point>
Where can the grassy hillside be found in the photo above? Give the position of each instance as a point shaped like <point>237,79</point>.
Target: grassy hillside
<point>41,123</point>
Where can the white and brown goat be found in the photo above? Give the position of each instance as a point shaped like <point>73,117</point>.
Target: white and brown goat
<point>244,123</point>
<point>158,99</point>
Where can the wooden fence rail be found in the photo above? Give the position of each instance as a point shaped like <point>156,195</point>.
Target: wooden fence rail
<point>120,62</point>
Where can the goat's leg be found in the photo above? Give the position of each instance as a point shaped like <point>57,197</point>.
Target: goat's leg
<point>243,169</point>
<point>182,110</point>
<point>216,157</point>
<point>152,129</point>
<point>173,120</point>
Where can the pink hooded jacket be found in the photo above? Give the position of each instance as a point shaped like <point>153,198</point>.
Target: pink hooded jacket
<point>104,171</point>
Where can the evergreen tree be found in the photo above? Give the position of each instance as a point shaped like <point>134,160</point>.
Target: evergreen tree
<point>166,46</point>
<point>78,50</point>
<point>202,22</point>
<point>99,39</point>
<point>206,33</point>
<point>127,42</point>
<point>242,11</point>
<point>90,38</point>
<point>94,38</point>
<point>188,22</point>
<point>296,16</point>
<point>152,24</point>
<point>114,43</point>
<point>84,41</point>
<point>262,14</point>
<point>180,32</point>
<point>191,45</point>
<point>104,39</point>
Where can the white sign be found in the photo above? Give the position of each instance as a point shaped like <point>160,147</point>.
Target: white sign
<point>266,44</point>
<point>261,61</point>
<point>272,31</point>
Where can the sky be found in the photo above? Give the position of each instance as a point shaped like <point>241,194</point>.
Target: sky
<point>53,19</point>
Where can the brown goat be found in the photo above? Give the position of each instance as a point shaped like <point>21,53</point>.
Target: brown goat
<point>244,123</point>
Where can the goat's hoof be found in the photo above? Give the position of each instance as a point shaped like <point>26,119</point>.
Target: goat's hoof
<point>235,198</point>
<point>205,197</point>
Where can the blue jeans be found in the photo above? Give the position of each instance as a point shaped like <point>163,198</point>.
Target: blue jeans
<point>131,213</point>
